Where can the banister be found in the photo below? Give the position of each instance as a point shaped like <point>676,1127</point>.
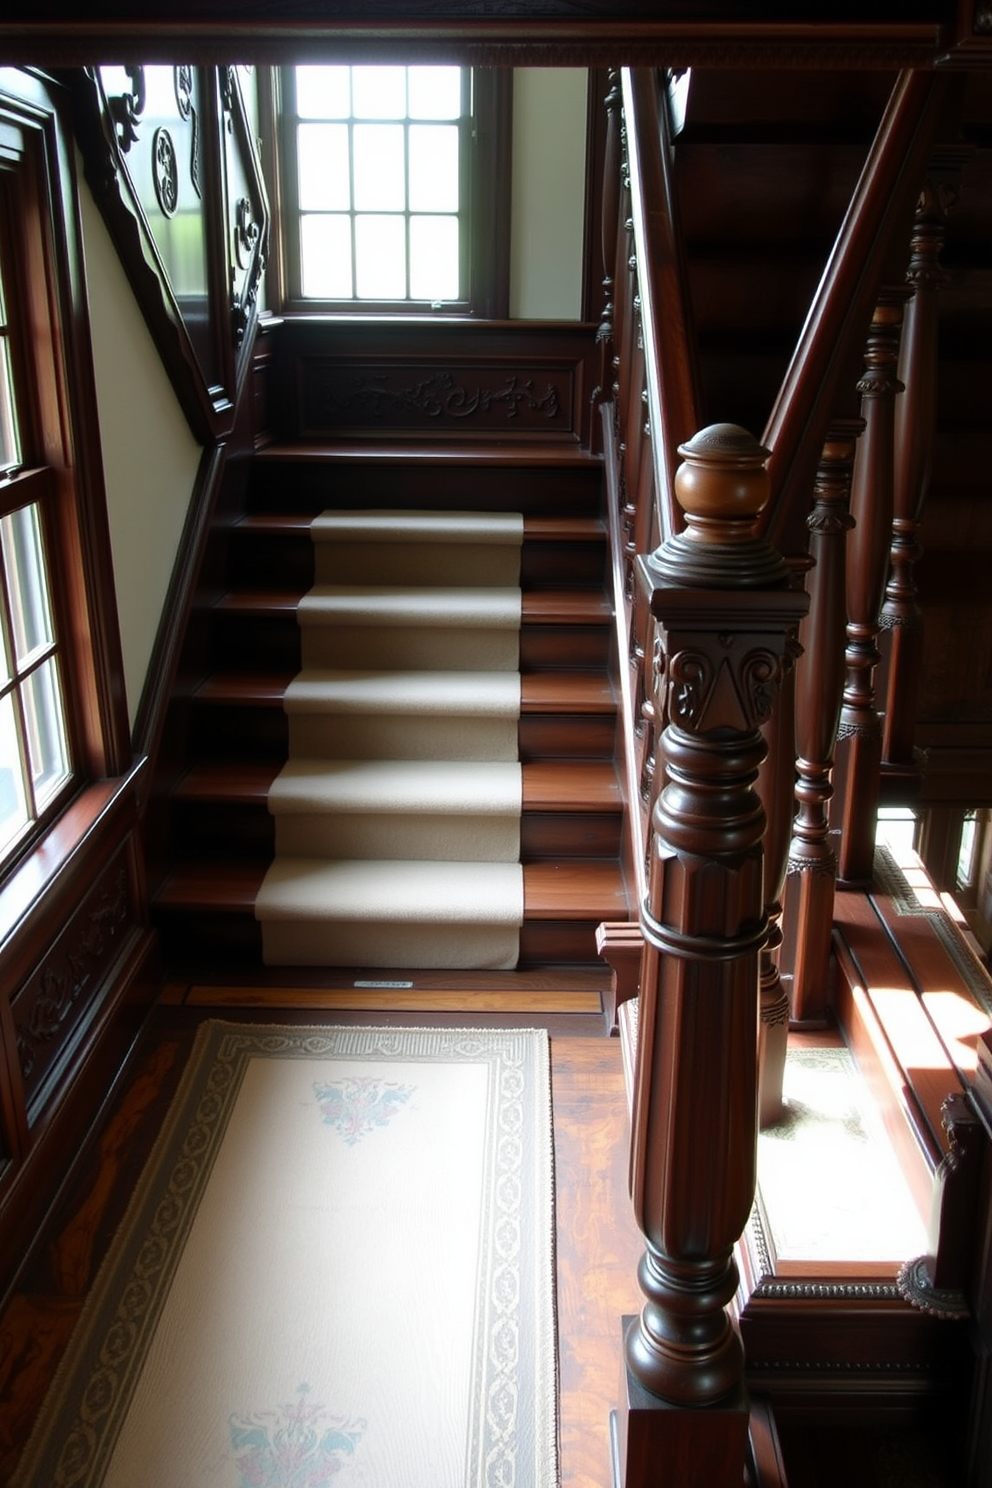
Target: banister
<point>824,364</point>
<point>671,368</point>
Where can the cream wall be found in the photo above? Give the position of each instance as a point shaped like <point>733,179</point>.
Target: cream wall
<point>150,458</point>
<point>548,193</point>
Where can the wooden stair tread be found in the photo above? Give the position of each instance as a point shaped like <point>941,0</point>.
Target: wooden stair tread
<point>541,692</point>
<point>544,607</point>
<point>546,787</point>
<point>552,529</point>
<point>552,891</point>
<point>569,456</point>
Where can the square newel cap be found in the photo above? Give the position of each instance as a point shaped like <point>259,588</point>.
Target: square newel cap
<point>722,486</point>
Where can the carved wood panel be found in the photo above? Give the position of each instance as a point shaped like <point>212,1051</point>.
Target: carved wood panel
<point>68,982</point>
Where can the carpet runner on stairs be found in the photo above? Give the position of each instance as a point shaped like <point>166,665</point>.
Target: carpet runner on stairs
<point>397,817</point>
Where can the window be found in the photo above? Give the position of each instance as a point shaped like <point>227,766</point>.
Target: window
<point>63,718</point>
<point>391,178</point>
<point>34,745</point>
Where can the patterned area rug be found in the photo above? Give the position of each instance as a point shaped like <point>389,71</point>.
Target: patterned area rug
<point>337,1267</point>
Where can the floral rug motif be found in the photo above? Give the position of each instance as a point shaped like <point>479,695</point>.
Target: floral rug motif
<point>336,1272</point>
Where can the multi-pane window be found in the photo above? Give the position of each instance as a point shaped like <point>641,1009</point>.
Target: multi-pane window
<point>35,761</point>
<point>379,166</point>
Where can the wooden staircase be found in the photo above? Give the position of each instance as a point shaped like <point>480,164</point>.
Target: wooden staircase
<point>221,831</point>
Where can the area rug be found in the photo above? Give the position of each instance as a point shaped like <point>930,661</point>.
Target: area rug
<point>337,1267</point>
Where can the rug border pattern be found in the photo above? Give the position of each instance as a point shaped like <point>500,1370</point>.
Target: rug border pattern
<point>119,1318</point>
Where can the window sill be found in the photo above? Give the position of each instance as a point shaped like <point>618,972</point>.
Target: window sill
<point>29,886</point>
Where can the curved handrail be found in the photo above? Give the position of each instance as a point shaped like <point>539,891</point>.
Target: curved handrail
<point>671,367</point>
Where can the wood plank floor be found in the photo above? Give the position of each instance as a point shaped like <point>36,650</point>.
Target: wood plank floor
<point>597,1242</point>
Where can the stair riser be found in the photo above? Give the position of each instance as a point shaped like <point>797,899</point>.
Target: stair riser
<point>221,830</point>
<point>242,641</point>
<point>305,486</point>
<point>255,557</point>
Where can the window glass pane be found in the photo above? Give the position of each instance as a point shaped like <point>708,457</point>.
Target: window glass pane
<point>325,245</point>
<point>435,92</point>
<point>380,172</point>
<point>13,806</point>
<point>6,661</point>
<point>323,92</point>
<point>27,585</point>
<point>44,721</point>
<point>380,251</point>
<point>379,92</point>
<point>434,258</point>
<point>10,453</point>
<point>325,177</point>
<point>433,168</point>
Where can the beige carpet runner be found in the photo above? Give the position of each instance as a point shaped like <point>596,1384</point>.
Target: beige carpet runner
<point>336,1272</point>
<point>397,818</point>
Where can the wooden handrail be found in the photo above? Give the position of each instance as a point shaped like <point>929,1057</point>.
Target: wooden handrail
<point>824,366</point>
<point>671,367</point>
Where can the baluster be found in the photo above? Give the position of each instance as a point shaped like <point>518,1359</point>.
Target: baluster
<point>812,870</point>
<point>860,733</point>
<point>915,420</point>
<point>776,790</point>
<point>720,599</point>
<point>612,166</point>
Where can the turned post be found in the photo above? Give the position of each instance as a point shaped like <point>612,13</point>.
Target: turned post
<point>859,752</point>
<point>812,868</point>
<point>915,420</point>
<point>608,235</point>
<point>724,613</point>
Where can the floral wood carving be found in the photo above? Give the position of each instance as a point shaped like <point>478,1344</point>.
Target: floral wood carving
<point>440,396</point>
<point>71,970</point>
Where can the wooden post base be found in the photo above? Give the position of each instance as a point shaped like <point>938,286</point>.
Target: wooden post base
<point>658,1445</point>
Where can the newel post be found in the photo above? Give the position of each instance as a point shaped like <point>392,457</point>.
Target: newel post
<point>723,614</point>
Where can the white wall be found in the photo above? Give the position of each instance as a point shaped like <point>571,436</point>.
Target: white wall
<point>150,457</point>
<point>548,193</point>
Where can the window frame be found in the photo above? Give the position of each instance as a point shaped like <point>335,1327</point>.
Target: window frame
<point>60,463</point>
<point>487,214</point>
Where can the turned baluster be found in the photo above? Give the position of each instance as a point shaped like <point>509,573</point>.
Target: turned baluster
<point>776,790</point>
<point>812,869</point>
<point>859,752</point>
<point>723,610</point>
<point>609,227</point>
<point>915,420</point>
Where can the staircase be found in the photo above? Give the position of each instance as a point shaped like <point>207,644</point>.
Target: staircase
<point>222,835</point>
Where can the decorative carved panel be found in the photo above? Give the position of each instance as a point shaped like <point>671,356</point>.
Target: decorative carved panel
<point>67,983</point>
<point>172,163</point>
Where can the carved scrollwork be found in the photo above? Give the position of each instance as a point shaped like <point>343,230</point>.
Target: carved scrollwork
<point>165,171</point>
<point>689,677</point>
<point>246,232</point>
<point>441,396</point>
<point>761,672</point>
<point>66,978</point>
<point>126,109</point>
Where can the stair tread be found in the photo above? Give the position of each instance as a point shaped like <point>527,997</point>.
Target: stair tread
<point>376,452</point>
<point>546,787</point>
<point>541,692</point>
<point>552,891</point>
<point>536,528</point>
<point>545,606</point>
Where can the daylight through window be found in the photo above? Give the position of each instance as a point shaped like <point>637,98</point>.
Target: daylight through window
<point>34,750</point>
<point>380,174</point>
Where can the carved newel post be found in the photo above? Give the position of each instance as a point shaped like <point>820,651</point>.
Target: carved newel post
<point>724,614</point>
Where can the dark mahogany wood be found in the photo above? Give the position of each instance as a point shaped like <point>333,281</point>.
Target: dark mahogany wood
<point>812,866</point>
<point>915,424</point>
<point>860,730</point>
<point>720,600</point>
<point>824,363</point>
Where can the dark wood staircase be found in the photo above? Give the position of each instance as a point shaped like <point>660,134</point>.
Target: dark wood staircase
<point>221,831</point>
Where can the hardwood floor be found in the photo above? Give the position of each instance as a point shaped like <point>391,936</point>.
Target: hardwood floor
<point>597,1242</point>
